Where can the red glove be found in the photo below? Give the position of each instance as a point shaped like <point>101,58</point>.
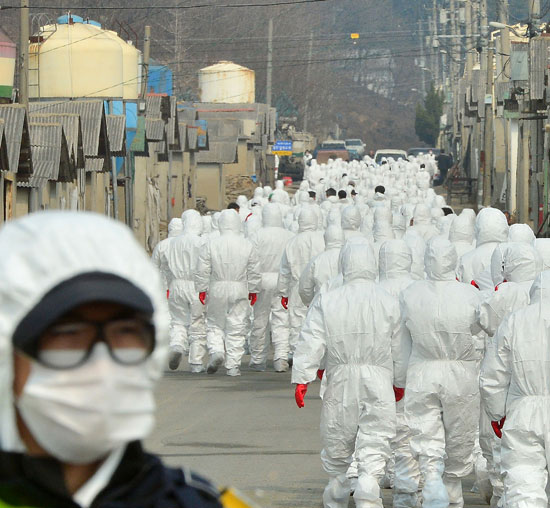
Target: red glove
<point>497,427</point>
<point>399,393</point>
<point>299,395</point>
<point>167,293</point>
<point>284,302</point>
<point>252,297</point>
<point>202,297</point>
<point>320,373</point>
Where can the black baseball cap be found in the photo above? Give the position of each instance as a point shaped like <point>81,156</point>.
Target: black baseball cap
<point>71,293</point>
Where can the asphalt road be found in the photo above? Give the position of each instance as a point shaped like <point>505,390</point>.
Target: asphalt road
<point>248,433</point>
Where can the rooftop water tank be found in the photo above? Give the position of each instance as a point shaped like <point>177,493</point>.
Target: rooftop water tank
<point>227,82</point>
<point>75,59</point>
<point>7,65</point>
<point>131,70</point>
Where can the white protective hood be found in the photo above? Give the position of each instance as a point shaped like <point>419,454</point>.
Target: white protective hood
<point>462,229</point>
<point>395,260</point>
<point>440,259</point>
<point>334,237</point>
<point>307,219</point>
<point>175,227</point>
<point>515,262</point>
<point>229,223</point>
<point>272,216</point>
<point>39,251</point>
<point>357,261</point>
<point>193,224</point>
<point>351,218</point>
<point>491,226</point>
<point>521,233</point>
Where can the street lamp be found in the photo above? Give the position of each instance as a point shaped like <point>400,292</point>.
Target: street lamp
<point>500,26</point>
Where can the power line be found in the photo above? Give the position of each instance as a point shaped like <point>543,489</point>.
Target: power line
<point>179,7</point>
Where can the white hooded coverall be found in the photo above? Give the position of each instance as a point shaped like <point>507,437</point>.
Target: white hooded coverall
<point>187,313</point>
<point>395,261</point>
<point>158,257</point>
<point>298,253</point>
<point>515,384</point>
<point>442,395</point>
<point>269,242</point>
<point>355,328</point>
<point>228,270</point>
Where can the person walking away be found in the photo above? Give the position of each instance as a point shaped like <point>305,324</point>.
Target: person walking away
<point>270,242</point>
<point>188,324</point>
<point>395,262</point>
<point>227,280</point>
<point>516,395</point>
<point>442,393</point>
<point>307,244</point>
<point>354,327</point>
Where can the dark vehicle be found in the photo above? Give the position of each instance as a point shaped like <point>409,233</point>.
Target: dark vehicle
<point>291,166</point>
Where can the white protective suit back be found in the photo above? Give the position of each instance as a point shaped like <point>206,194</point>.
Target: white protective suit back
<point>183,252</point>
<point>395,260</point>
<point>44,249</point>
<point>228,265</point>
<point>515,382</point>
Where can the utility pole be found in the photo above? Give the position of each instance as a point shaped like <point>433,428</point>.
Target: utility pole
<point>308,75</point>
<point>422,59</point>
<point>469,55</point>
<point>24,53</point>
<point>454,70</point>
<point>488,134</point>
<point>435,45</point>
<point>146,57</point>
<point>268,91</point>
<point>114,181</point>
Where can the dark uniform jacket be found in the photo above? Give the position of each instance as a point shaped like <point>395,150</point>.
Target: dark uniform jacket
<point>140,481</point>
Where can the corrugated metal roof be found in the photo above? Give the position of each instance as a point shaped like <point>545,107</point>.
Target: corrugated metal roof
<point>72,130</point>
<point>116,131</point>
<point>92,114</point>
<point>539,54</point>
<point>95,164</point>
<point>154,129</point>
<point>17,139</point>
<point>46,152</point>
<point>220,152</point>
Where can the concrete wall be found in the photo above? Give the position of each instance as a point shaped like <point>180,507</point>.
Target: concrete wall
<point>209,185</point>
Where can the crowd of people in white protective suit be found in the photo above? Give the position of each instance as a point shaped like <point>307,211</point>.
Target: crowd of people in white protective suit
<point>429,330</point>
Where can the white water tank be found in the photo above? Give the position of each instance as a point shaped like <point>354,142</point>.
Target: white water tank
<point>75,60</point>
<point>227,82</point>
<point>131,70</point>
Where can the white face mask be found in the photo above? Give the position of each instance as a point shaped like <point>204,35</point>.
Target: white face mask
<point>80,415</point>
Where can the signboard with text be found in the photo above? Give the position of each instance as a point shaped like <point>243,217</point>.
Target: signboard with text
<point>282,148</point>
